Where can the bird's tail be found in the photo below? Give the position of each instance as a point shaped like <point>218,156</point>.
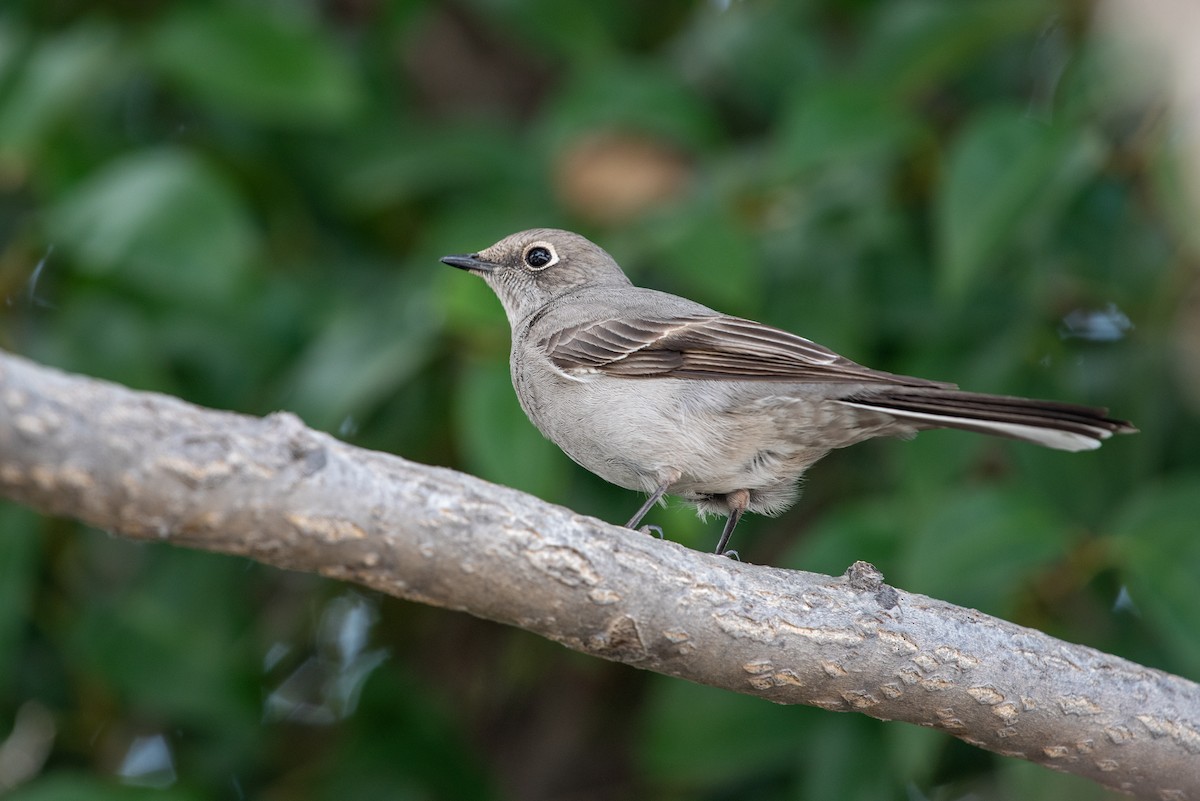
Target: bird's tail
<point>1063,426</point>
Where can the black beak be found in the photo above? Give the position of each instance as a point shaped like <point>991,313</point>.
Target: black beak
<point>472,263</point>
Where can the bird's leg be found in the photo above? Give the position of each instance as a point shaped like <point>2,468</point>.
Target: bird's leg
<point>654,498</point>
<point>738,501</point>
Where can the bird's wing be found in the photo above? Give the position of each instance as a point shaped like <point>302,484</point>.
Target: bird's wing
<point>712,347</point>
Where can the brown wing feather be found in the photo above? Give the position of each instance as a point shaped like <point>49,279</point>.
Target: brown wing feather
<point>707,347</point>
<point>1085,420</point>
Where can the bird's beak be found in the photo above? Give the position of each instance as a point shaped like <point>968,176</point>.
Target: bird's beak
<point>472,263</point>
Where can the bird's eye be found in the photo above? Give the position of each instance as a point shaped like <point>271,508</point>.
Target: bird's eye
<point>539,256</point>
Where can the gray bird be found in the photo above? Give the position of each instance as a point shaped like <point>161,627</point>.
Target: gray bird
<point>659,394</point>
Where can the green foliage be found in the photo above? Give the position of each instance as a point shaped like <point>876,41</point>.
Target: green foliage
<point>1002,176</point>
<point>243,204</point>
<point>86,788</point>
<point>299,75</point>
<point>1155,534</point>
<point>160,223</point>
<point>19,557</point>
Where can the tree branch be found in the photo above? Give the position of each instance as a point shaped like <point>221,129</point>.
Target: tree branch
<point>151,467</point>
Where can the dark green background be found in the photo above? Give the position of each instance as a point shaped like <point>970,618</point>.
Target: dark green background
<point>243,204</point>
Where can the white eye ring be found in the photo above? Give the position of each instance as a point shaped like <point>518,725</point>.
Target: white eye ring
<point>535,252</point>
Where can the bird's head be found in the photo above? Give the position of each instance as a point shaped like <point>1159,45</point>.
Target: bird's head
<point>531,268</point>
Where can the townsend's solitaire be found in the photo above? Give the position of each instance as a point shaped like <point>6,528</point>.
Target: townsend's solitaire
<point>659,394</point>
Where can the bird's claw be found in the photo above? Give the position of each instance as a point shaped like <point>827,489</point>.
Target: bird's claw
<point>655,530</point>
<point>732,554</point>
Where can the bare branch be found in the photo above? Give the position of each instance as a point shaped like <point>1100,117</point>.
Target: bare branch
<point>152,467</point>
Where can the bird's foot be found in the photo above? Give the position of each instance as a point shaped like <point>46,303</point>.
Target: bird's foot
<point>655,530</point>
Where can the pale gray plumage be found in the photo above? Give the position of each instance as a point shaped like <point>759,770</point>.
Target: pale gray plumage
<point>656,393</point>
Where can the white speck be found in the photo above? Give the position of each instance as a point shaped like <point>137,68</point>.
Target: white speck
<point>326,687</point>
<point>299,698</point>
<point>275,655</point>
<point>1124,602</point>
<point>148,763</point>
<point>1096,325</point>
<point>31,285</point>
<point>345,625</point>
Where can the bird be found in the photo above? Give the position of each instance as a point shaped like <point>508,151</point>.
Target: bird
<point>660,394</point>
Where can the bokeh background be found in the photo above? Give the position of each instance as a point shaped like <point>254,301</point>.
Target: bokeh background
<point>242,203</point>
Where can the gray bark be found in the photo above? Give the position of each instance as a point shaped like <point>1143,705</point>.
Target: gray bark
<point>151,467</point>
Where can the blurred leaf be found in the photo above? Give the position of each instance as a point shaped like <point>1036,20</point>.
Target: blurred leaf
<point>737,52</point>
<point>840,758</point>
<point>1086,487</point>
<point>543,21</point>
<point>394,163</point>
<point>843,126</point>
<point>406,744</point>
<point>273,66</point>
<point>694,736</point>
<point>1017,778</point>
<point>49,84</point>
<point>912,752</point>
<point>1169,170</point>
<point>867,529</point>
<point>708,256</point>
<point>170,639</point>
<point>1002,172</point>
<point>13,41</point>
<point>159,220</point>
<point>679,522</point>
<point>697,737</point>
<point>107,336</point>
<point>1099,241</point>
<point>61,786</point>
<point>366,347</point>
<point>499,443</point>
<point>20,552</point>
<point>926,466</point>
<point>470,305</point>
<point>978,547</point>
<point>1156,537</point>
<point>639,98</point>
<point>913,43</point>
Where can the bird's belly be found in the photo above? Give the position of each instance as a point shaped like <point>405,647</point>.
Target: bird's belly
<point>634,432</point>
<point>625,437</point>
